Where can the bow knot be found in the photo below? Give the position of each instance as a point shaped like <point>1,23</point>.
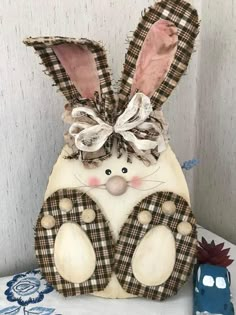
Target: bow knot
<point>91,136</point>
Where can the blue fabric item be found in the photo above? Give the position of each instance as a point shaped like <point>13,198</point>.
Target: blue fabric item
<point>188,165</point>
<point>24,289</point>
<point>12,310</point>
<point>212,290</point>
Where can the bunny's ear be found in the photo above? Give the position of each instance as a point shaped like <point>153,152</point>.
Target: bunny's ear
<point>159,52</point>
<point>78,67</point>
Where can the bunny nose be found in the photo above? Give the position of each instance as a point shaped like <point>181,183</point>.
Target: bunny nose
<point>116,185</point>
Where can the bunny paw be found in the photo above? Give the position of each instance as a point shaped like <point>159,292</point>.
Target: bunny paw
<point>73,243</point>
<point>157,245</point>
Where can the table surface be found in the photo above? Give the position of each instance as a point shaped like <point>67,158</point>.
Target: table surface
<point>55,304</point>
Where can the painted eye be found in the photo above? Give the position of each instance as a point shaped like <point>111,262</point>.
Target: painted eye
<point>108,171</point>
<point>124,170</point>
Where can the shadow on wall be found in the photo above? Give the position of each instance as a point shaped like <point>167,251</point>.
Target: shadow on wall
<point>215,180</point>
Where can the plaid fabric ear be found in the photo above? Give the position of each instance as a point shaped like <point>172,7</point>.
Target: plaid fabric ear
<point>44,48</point>
<point>185,19</point>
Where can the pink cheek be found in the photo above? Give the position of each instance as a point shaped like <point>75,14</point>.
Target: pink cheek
<point>94,181</point>
<point>136,182</point>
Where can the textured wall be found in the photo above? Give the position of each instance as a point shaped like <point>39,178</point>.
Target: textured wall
<point>215,178</point>
<point>30,126</point>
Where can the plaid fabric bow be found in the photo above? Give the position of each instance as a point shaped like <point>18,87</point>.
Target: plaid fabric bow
<point>90,136</point>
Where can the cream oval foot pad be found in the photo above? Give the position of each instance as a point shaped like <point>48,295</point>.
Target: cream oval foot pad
<point>130,251</point>
<point>79,218</point>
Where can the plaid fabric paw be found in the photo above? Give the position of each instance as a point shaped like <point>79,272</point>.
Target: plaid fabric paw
<point>159,209</point>
<point>70,205</point>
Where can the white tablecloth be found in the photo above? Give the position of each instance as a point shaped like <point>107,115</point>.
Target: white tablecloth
<point>55,304</point>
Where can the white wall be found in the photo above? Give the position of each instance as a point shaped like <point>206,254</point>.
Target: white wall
<point>215,179</point>
<point>30,126</point>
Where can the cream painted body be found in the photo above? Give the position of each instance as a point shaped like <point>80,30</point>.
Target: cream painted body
<point>116,209</point>
<point>157,253</point>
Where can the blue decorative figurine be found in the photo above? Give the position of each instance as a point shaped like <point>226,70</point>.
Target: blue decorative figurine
<point>211,280</point>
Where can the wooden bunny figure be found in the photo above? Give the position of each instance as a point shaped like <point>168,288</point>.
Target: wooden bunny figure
<point>116,220</point>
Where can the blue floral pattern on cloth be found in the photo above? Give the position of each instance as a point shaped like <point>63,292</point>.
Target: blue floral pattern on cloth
<point>24,289</point>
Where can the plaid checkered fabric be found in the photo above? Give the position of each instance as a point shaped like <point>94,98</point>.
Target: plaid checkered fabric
<point>177,11</point>
<point>117,259</point>
<point>185,18</point>
<point>133,232</point>
<point>44,48</point>
<point>97,231</point>
<point>105,107</point>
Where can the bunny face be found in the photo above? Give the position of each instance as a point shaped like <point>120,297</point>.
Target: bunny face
<point>141,181</point>
<point>124,227</point>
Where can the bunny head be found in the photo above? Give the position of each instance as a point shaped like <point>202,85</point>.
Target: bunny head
<point>116,208</point>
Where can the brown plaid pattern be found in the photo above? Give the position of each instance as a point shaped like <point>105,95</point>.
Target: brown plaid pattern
<point>116,259</point>
<point>97,231</point>
<point>177,11</point>
<point>44,48</point>
<point>186,20</point>
<point>133,232</point>
<point>106,105</point>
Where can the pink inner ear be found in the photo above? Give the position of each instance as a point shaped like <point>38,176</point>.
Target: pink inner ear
<point>155,57</point>
<point>80,66</point>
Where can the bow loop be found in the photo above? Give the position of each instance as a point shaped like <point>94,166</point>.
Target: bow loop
<point>89,137</point>
<point>137,111</point>
<point>132,125</point>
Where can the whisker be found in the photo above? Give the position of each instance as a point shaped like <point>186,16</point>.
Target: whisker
<point>99,187</point>
<point>154,181</point>
<point>92,189</point>
<point>85,192</point>
<point>84,185</point>
<point>151,173</point>
<point>80,180</point>
<point>147,188</point>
